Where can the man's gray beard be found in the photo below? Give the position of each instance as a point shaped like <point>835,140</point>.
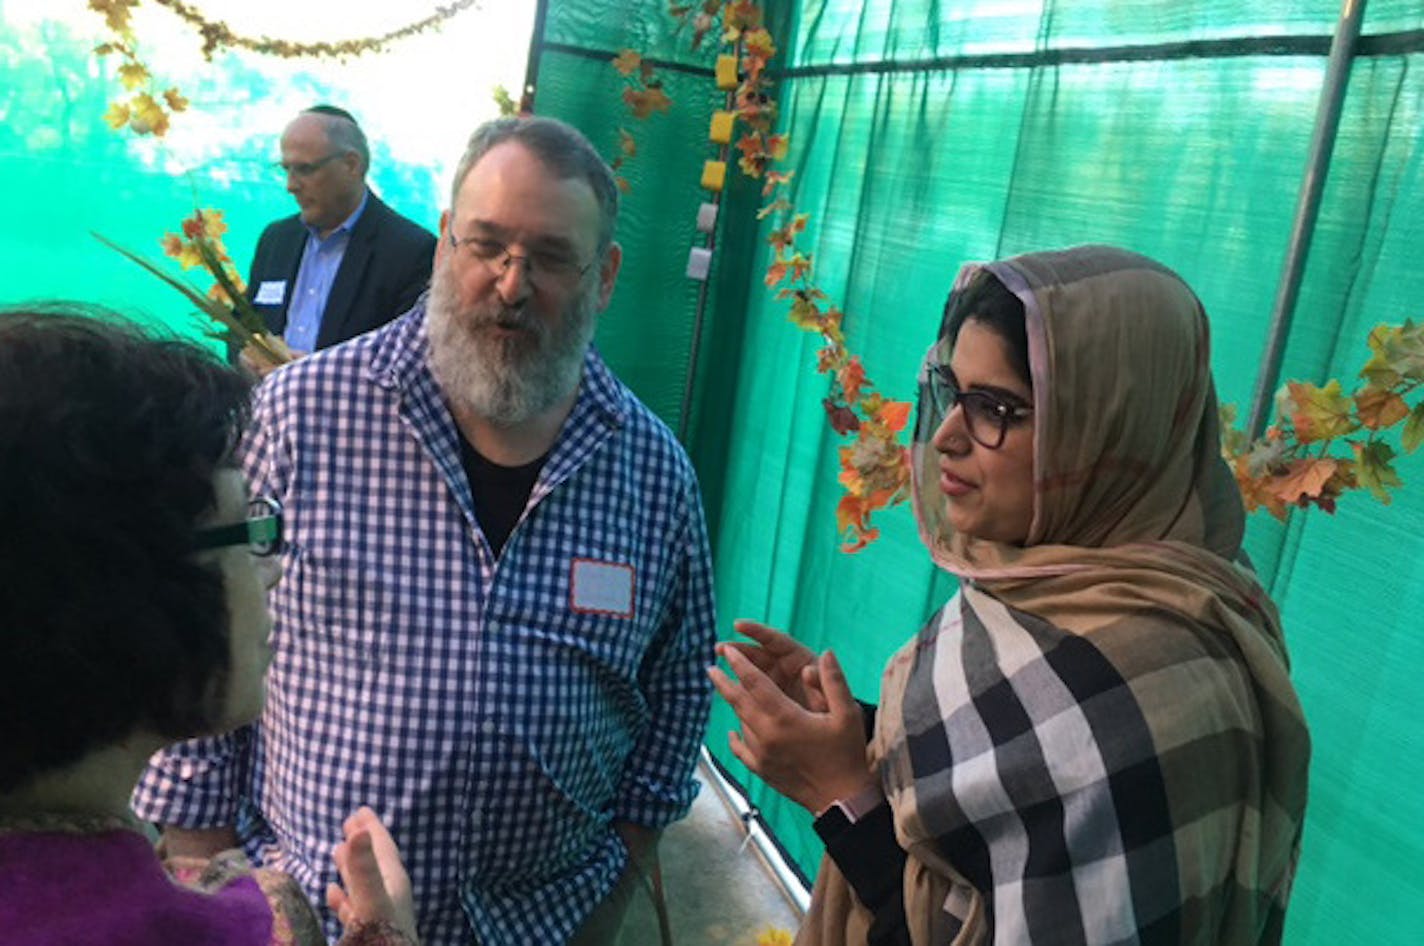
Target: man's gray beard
<point>505,381</point>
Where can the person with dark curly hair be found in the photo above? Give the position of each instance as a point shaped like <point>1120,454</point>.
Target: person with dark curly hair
<point>133,614</point>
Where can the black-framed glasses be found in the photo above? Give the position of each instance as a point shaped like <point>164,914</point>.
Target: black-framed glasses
<point>261,531</point>
<point>306,168</point>
<point>544,270</point>
<point>986,416</point>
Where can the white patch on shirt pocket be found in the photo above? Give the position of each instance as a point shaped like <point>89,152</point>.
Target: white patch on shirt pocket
<point>601,587</point>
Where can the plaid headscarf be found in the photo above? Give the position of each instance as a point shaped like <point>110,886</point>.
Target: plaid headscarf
<point>1096,740</point>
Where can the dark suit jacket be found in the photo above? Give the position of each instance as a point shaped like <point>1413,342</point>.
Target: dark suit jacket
<point>385,269</point>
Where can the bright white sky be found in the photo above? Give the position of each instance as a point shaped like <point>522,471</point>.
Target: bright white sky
<point>422,98</point>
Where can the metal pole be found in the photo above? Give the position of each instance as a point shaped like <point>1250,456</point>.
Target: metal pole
<point>1322,145</point>
<point>536,50</point>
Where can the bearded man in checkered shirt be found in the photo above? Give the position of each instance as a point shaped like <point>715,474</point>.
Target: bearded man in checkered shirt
<point>497,601</point>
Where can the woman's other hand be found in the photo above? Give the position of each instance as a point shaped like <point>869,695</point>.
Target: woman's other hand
<point>377,886</point>
<point>813,753</point>
<point>786,661</point>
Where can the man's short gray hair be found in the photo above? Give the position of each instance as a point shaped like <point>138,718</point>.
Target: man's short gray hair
<point>342,132</point>
<point>561,148</point>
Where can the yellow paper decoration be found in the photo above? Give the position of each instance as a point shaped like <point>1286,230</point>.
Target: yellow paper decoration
<point>714,175</point>
<point>721,131</point>
<point>727,72</point>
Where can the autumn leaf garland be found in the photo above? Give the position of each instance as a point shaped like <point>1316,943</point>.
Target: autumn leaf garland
<point>146,111</point>
<point>875,466</point>
<point>1293,466</point>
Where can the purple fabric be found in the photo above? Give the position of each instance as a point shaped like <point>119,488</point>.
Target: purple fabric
<point>110,888</point>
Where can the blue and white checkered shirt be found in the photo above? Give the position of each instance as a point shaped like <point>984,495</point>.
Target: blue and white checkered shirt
<point>499,714</point>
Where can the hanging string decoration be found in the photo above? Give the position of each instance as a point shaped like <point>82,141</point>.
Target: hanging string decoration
<point>145,111</point>
<point>875,465</point>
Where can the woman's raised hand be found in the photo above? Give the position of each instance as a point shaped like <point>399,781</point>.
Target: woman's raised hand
<point>786,661</point>
<point>809,747</point>
<point>377,886</point>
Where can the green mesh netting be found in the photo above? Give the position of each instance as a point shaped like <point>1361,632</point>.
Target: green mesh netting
<point>926,133</point>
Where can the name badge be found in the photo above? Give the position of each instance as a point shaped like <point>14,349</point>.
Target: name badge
<point>601,588</point>
<point>271,293</point>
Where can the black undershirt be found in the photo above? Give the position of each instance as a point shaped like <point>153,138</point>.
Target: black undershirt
<point>500,492</point>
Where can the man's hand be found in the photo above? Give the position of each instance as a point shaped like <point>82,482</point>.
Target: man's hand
<point>814,754</point>
<point>377,885</point>
<point>258,363</point>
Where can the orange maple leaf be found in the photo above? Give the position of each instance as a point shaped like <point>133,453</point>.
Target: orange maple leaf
<point>133,75</point>
<point>894,415</point>
<point>117,116</point>
<point>758,44</point>
<point>1303,479</point>
<point>778,146</point>
<point>850,512</point>
<point>146,116</point>
<point>775,273</point>
<point>781,203</point>
<point>804,313</point>
<point>800,266</point>
<point>743,14</point>
<point>851,378</point>
<point>627,62</point>
<point>775,179</point>
<point>213,224</point>
<point>1318,413</point>
<point>1257,491</point>
<point>752,166</point>
<point>1378,409</point>
<point>644,102</point>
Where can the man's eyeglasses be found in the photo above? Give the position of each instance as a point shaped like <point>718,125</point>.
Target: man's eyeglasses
<point>544,270</point>
<point>986,416</point>
<point>261,532</point>
<point>306,168</point>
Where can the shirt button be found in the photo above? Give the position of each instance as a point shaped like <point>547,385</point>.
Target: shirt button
<point>487,728</point>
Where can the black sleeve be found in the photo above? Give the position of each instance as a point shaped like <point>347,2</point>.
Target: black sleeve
<point>867,711</point>
<point>874,863</point>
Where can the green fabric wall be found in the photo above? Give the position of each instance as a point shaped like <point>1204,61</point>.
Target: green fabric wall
<point>927,133</point>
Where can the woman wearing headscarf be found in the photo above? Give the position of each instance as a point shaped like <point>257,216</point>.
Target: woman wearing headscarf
<point>1096,739</point>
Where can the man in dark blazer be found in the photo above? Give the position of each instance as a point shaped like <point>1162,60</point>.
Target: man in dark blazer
<point>346,263</point>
